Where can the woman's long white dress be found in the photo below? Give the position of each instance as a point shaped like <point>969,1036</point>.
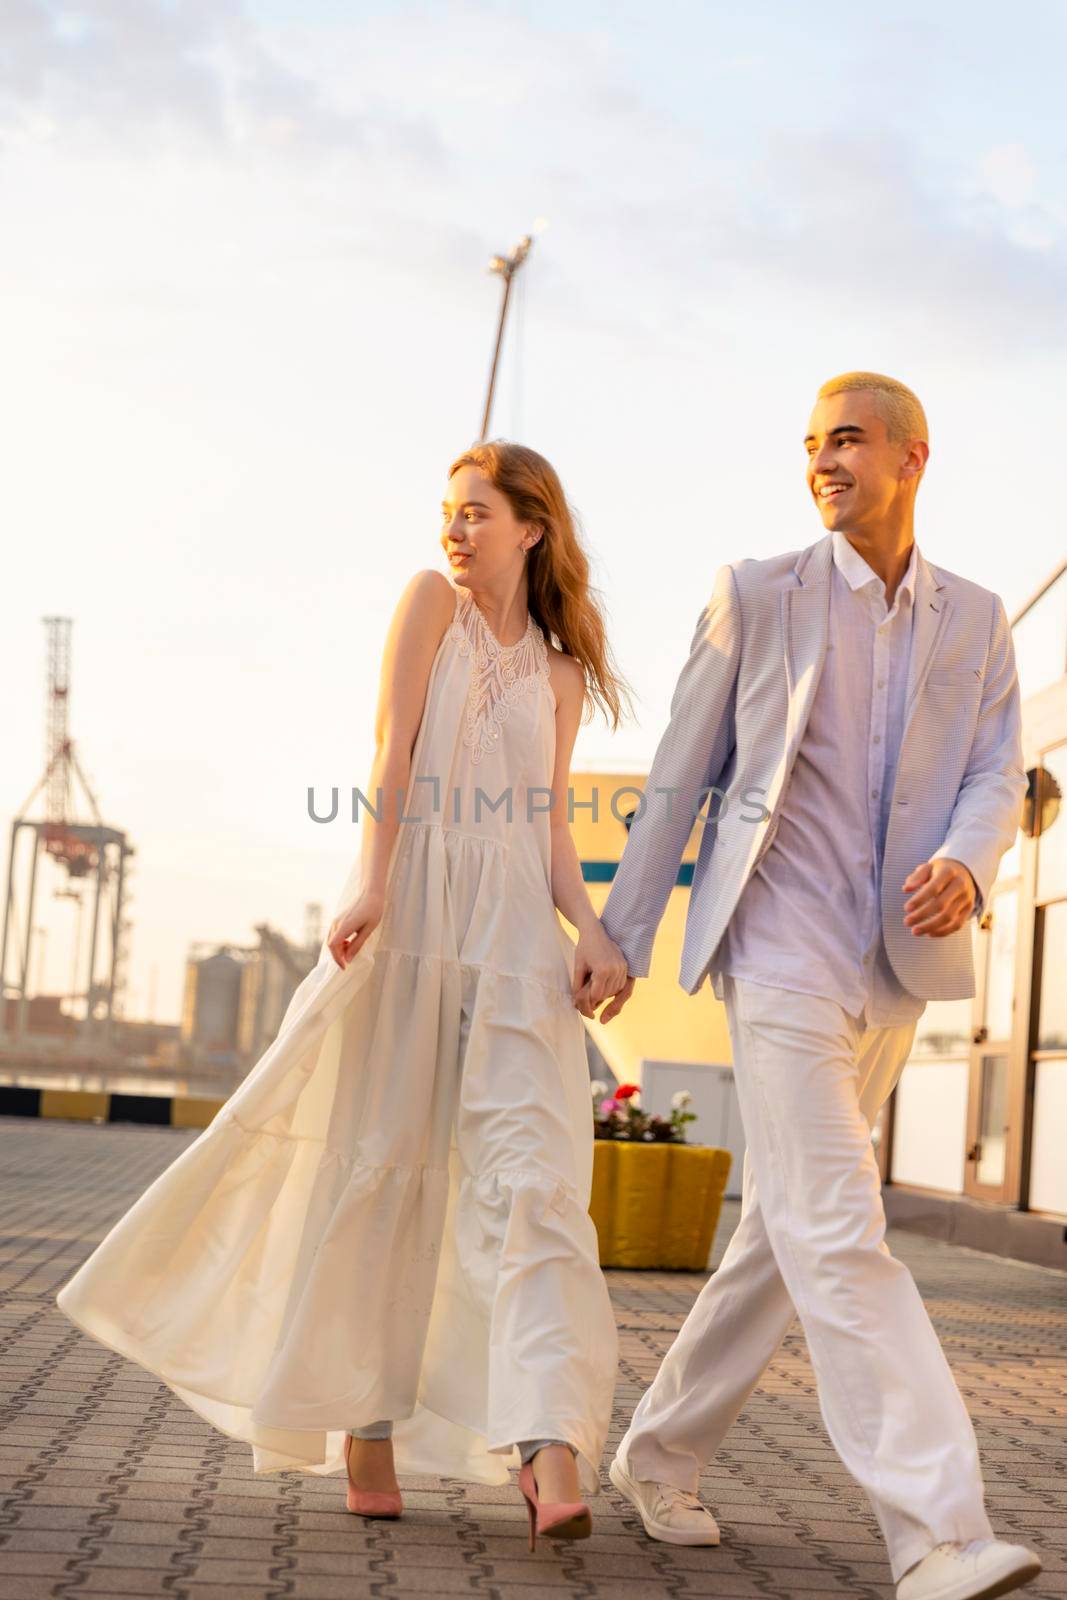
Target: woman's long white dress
<point>388,1218</point>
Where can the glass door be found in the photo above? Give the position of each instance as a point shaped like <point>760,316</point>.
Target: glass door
<point>990,1099</point>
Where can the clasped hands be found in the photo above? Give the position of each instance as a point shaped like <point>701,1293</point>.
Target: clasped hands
<point>941,894</point>
<point>600,973</point>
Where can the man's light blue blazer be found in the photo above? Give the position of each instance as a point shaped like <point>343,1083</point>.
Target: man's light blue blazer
<point>738,715</point>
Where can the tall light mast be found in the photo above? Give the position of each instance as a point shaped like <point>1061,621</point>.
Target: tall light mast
<point>505,267</point>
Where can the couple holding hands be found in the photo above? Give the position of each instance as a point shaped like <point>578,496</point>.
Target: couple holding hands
<point>379,1254</point>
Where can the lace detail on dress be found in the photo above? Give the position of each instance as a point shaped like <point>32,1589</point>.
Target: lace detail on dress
<point>500,674</point>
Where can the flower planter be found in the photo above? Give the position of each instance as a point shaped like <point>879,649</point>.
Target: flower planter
<point>657,1205</point>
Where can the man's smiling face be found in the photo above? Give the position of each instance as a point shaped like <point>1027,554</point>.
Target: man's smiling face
<point>857,477</point>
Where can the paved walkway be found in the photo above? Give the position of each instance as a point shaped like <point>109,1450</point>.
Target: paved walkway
<point>109,1486</point>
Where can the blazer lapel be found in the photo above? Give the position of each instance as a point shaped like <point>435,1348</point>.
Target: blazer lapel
<point>931,613</point>
<point>805,623</point>
<point>805,611</point>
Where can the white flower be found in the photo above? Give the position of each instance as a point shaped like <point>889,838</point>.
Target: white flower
<point>598,1089</point>
<point>682,1100</point>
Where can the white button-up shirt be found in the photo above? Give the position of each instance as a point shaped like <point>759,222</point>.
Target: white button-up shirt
<point>809,918</point>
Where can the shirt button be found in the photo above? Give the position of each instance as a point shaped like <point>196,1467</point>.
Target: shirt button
<point>874,794</point>
<point>878,738</point>
<point>881,683</point>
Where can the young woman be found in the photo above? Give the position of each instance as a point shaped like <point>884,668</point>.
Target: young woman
<point>382,1242</point>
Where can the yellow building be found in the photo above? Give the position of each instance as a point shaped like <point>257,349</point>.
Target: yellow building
<point>660,1021</point>
<point>663,1039</point>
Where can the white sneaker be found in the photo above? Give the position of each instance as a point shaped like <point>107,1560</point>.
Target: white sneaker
<point>673,1515</point>
<point>975,1571</point>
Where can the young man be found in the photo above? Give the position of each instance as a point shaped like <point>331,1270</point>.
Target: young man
<point>869,700</point>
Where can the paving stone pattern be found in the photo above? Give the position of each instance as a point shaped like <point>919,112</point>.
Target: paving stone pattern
<point>109,1486</point>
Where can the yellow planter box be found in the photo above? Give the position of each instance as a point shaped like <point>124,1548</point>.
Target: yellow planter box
<point>657,1205</point>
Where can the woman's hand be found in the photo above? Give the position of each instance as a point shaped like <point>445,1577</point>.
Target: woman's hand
<point>349,931</point>
<point>599,969</point>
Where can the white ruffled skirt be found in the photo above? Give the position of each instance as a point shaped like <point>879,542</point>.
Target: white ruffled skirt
<point>388,1218</point>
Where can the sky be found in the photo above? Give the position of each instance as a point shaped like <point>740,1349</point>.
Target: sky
<point>246,323</point>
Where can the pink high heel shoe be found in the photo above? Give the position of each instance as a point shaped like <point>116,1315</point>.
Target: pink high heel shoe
<point>563,1519</point>
<point>370,1502</point>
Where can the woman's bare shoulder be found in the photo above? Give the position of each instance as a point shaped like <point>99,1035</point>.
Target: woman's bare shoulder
<point>432,588</point>
<point>566,674</point>
<point>428,601</point>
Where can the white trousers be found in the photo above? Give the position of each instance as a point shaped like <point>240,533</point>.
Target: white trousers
<point>810,1080</point>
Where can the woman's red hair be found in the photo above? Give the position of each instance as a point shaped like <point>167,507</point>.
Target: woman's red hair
<point>560,598</point>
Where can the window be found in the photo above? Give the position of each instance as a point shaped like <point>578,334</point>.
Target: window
<point>1048,1174</point>
<point>993,1123</point>
<point>1000,967</point>
<point>1011,860</point>
<point>1052,1004</point>
<point>944,1029</point>
<point>930,1125</point>
<point>1052,840</point>
<point>1040,639</point>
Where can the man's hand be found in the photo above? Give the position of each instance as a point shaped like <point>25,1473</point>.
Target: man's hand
<point>941,895</point>
<point>599,968</point>
<point>614,1006</point>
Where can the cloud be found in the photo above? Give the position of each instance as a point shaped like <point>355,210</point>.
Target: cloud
<point>423,137</point>
<point>1009,174</point>
<point>861,218</point>
<point>111,64</point>
<point>1008,177</point>
<point>153,70</point>
<point>828,225</point>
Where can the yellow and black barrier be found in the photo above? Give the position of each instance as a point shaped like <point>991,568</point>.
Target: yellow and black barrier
<point>105,1105</point>
<point>654,1205</point>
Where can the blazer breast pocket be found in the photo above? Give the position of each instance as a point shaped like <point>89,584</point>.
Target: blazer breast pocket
<point>960,675</point>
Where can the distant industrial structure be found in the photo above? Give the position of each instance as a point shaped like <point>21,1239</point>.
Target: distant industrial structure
<point>95,860</point>
<point>236,996</point>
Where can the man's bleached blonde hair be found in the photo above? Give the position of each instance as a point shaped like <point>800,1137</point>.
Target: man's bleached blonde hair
<point>901,410</point>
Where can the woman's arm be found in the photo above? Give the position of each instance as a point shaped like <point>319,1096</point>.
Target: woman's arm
<point>415,632</point>
<point>598,961</point>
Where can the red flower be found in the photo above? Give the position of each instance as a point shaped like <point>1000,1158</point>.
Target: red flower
<point>626,1091</point>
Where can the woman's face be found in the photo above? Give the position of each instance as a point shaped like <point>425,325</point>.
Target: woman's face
<point>479,532</point>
